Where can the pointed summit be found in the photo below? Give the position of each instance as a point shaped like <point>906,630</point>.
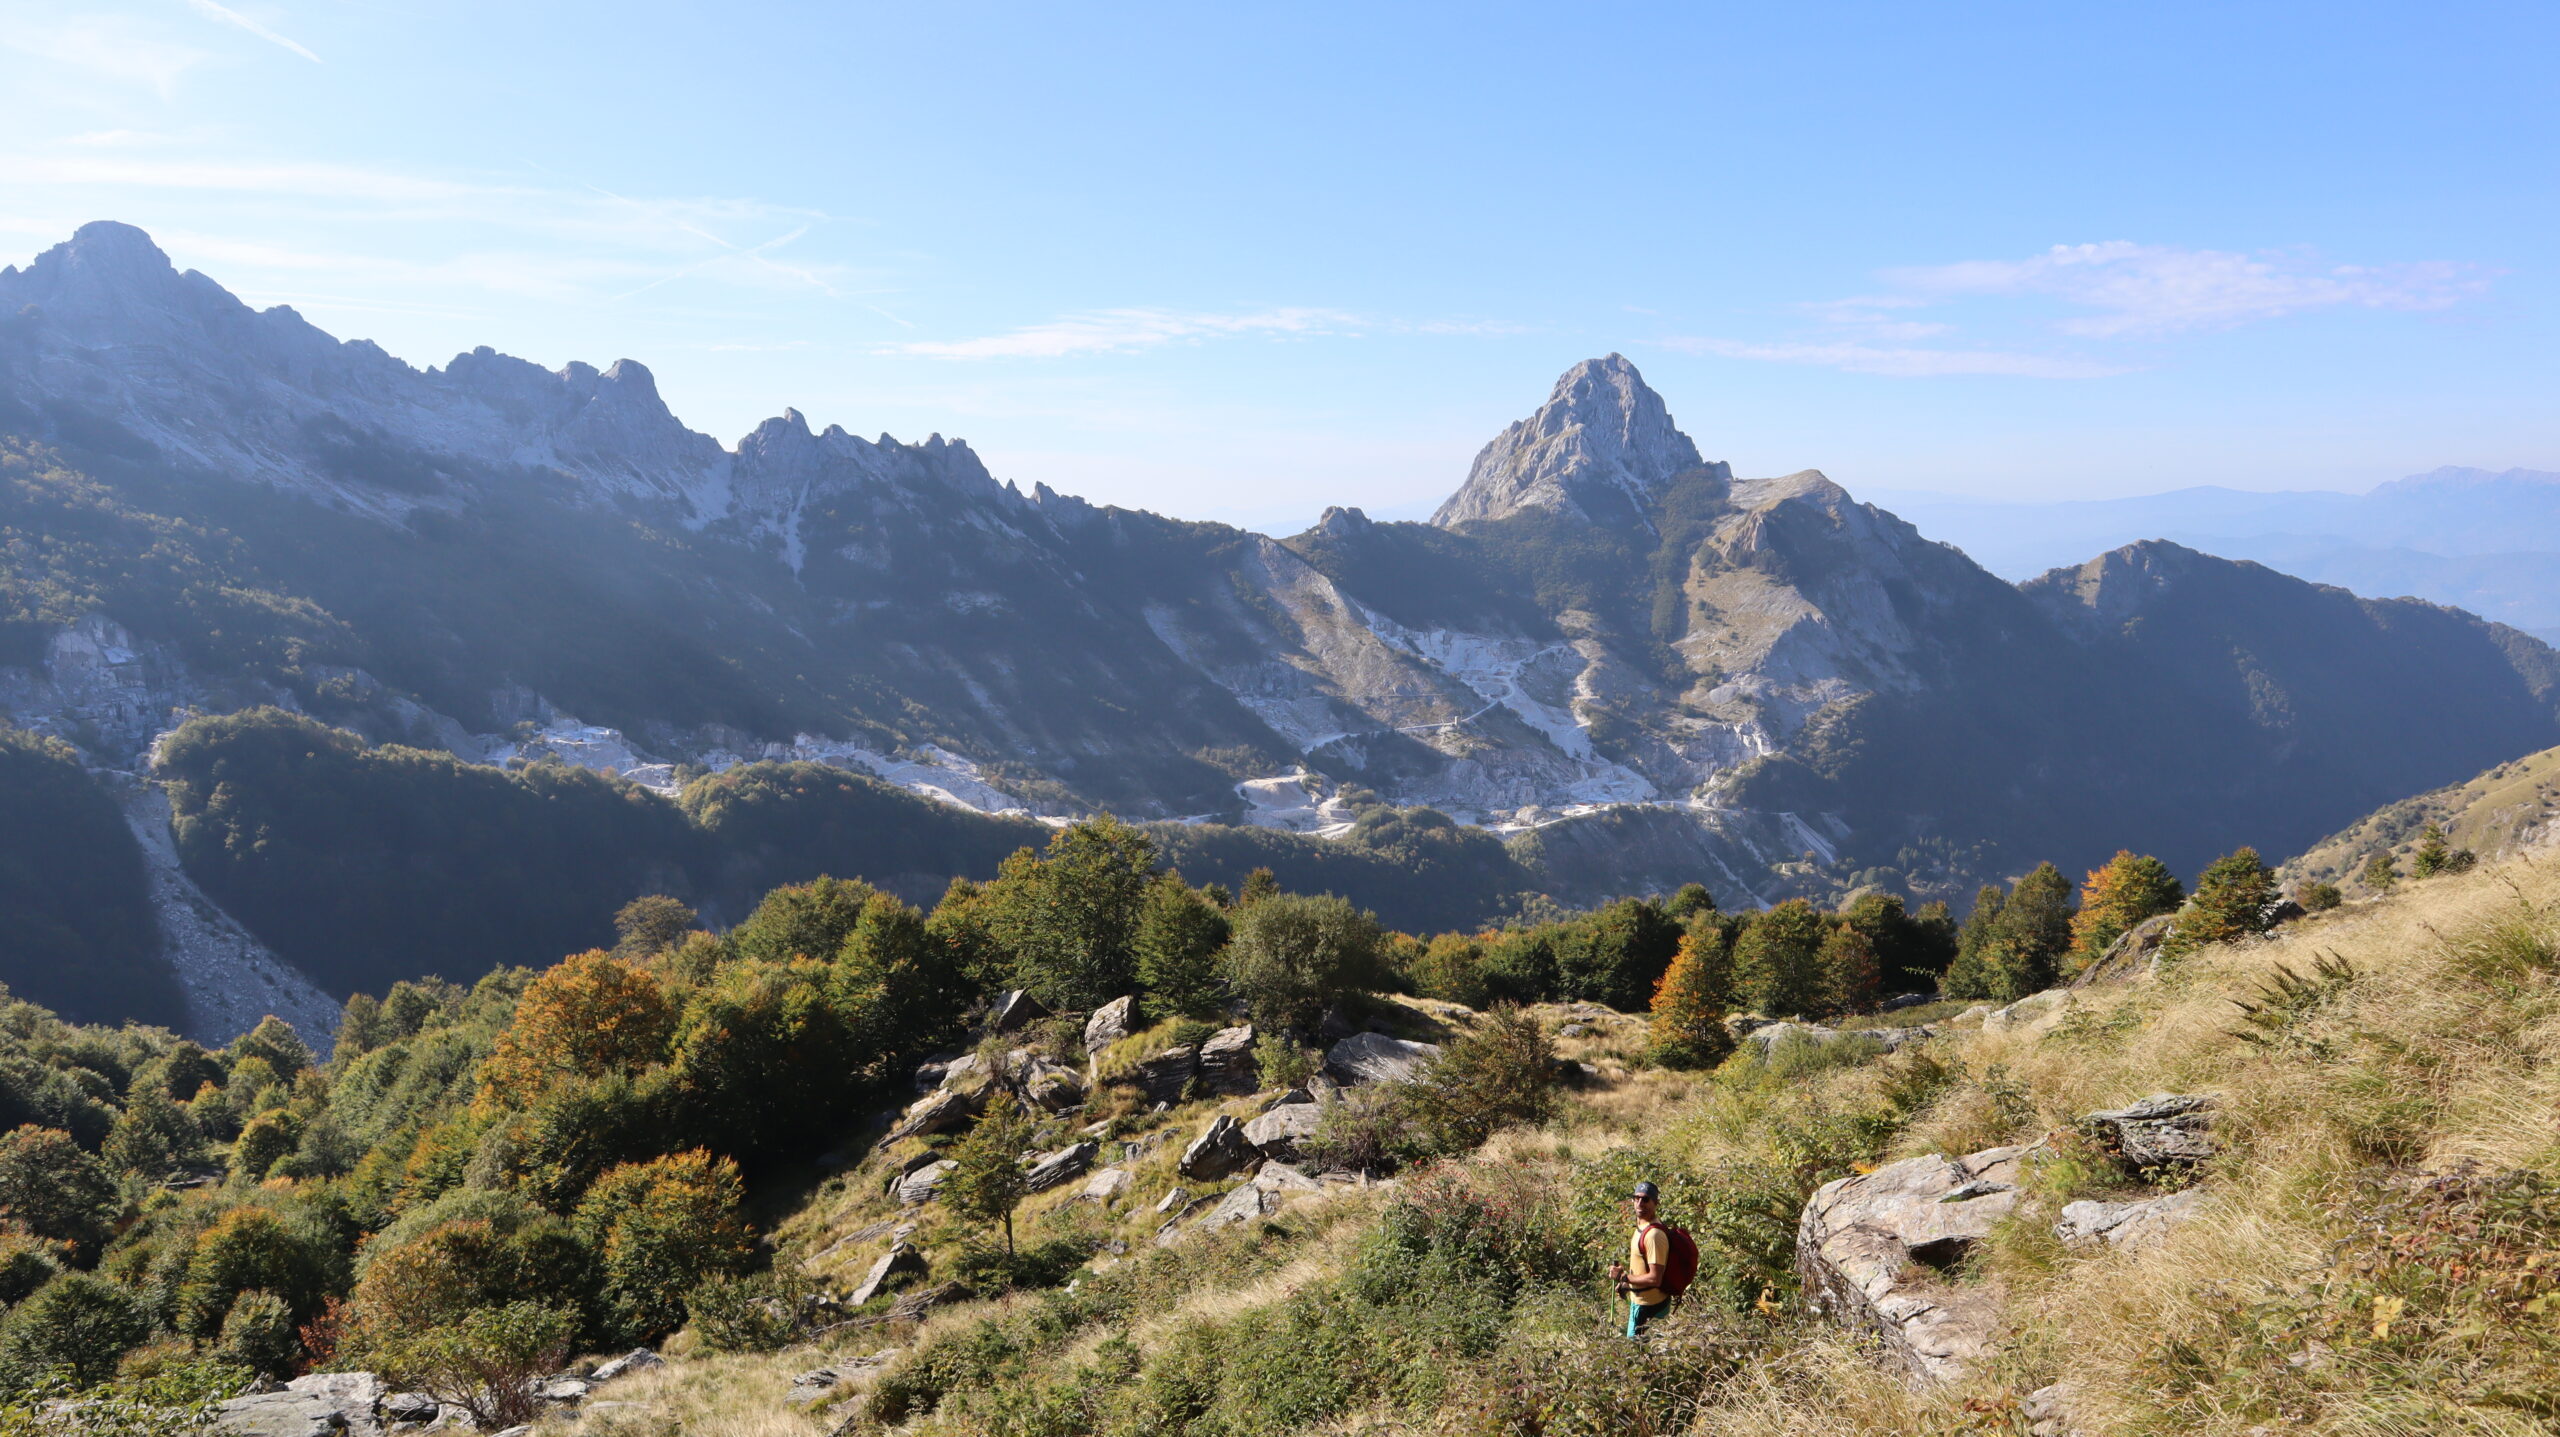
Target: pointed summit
<point>1601,446</point>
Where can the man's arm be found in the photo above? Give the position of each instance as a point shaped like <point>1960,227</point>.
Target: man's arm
<point>1656,1248</point>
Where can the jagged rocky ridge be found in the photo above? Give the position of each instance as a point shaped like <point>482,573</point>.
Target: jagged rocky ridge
<point>1644,668</point>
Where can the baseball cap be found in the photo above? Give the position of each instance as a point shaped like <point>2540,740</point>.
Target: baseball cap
<point>1647,1190</point>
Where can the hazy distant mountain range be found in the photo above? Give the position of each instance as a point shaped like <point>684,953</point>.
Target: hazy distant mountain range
<point>2483,541</point>
<point>1630,666</point>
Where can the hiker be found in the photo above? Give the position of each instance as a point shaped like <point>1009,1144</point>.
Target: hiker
<point>1661,1261</point>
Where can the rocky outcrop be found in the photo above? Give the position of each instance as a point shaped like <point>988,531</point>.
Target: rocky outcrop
<point>925,1183</point>
<point>2134,953</point>
<point>1162,1076</point>
<point>1219,1150</point>
<point>1051,1086</point>
<point>1061,1166</point>
<point>336,1404</point>
<point>1377,1058</point>
<point>2163,1131</point>
<point>900,1261</point>
<point>939,1112</point>
<point>2129,1226</point>
<point>1278,1133</point>
<point>1108,1025</point>
<point>1013,1008</point>
<point>639,1359</point>
<point>1879,1253</point>
<point>1106,1187</point>
<point>1273,1188</point>
<point>1227,1064</point>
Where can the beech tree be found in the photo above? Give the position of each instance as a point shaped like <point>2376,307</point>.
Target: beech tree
<point>1689,1003</point>
<point>1777,962</point>
<point>989,1182</point>
<point>588,1016</point>
<point>2130,889</point>
<point>1069,915</point>
<point>1852,977</point>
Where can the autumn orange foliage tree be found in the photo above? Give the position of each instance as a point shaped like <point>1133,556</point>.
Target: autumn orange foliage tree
<point>1690,1000</point>
<point>2129,889</point>
<point>663,1228</point>
<point>589,1016</point>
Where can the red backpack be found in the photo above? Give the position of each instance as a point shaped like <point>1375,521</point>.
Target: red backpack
<point>1682,1268</point>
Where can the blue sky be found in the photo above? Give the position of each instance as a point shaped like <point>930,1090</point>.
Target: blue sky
<point>1243,261</point>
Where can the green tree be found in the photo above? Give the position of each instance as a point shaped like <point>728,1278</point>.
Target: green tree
<point>989,1182</point>
<point>264,1141</point>
<point>2381,871</point>
<point>651,924</point>
<point>275,1041</point>
<point>1910,951</point>
<point>78,1324</point>
<point>1969,976</point>
<point>2231,901</point>
<point>1180,934</point>
<point>1069,915</point>
<point>1777,962</point>
<point>1616,954</point>
<point>254,1249</point>
<point>153,1137</point>
<point>257,1334</point>
<point>1691,899</point>
<point>1293,956</point>
<point>52,1189</point>
<point>802,920</point>
<point>1260,884</point>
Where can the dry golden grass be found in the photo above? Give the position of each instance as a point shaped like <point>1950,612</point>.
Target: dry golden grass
<point>2443,1047</point>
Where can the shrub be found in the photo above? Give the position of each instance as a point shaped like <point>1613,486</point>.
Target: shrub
<point>469,1249</point>
<point>1500,1071</point>
<point>26,1263</point>
<point>759,1313</point>
<point>76,1325</point>
<point>53,1189</point>
<point>664,1228</point>
<point>253,1249</point>
<point>989,1269</point>
<point>490,1363</point>
<point>1293,956</point>
<point>265,1141</point>
<point>258,1334</point>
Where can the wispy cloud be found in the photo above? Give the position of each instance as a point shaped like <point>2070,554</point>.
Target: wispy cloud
<point>229,16</point>
<point>2139,289</point>
<point>1861,358</point>
<point>1109,331</point>
<point>115,48</point>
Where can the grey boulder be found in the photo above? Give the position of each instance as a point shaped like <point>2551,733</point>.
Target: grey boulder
<point>2130,1226</point>
<point>1227,1062</point>
<point>1108,1025</point>
<point>899,1261</point>
<point>1279,1132</point>
<point>1015,1007</point>
<point>639,1359</point>
<point>2165,1130</point>
<point>1218,1151</point>
<point>1874,1252</point>
<point>1055,1168</point>
<point>921,1186</point>
<point>1377,1058</point>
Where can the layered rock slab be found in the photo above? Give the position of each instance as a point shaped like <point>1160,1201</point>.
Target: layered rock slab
<point>1877,1253</point>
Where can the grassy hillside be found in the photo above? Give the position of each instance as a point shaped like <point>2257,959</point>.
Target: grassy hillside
<point>2509,808</point>
<point>2377,1250</point>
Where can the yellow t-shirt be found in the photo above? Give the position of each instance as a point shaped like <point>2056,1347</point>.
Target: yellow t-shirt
<point>1650,1249</point>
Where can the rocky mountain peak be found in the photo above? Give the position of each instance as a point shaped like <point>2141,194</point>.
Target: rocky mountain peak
<point>2118,585</point>
<point>1601,447</point>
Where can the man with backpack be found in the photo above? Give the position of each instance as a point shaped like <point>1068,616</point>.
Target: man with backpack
<point>1662,1260</point>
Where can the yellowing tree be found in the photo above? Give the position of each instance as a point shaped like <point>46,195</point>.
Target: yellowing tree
<point>663,1227</point>
<point>2129,889</point>
<point>1690,1000</point>
<point>589,1016</point>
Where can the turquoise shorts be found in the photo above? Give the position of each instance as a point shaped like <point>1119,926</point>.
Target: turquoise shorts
<point>1639,1316</point>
